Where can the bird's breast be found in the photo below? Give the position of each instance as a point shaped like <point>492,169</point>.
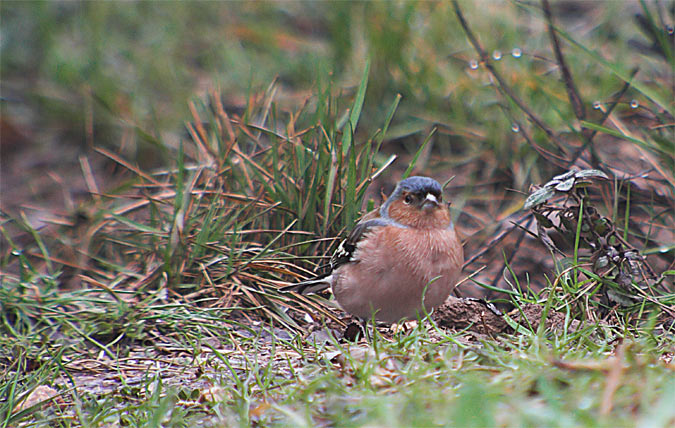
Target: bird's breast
<point>428,253</point>
<point>398,268</point>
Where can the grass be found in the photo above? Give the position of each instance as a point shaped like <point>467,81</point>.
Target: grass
<point>417,379</point>
<point>155,302</point>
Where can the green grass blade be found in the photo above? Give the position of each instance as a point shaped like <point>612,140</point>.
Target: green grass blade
<point>413,162</point>
<point>347,136</point>
<point>624,75</point>
<point>619,134</point>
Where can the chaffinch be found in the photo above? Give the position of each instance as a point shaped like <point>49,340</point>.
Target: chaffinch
<point>390,264</point>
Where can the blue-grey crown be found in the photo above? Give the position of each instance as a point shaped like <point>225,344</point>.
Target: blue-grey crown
<point>419,184</point>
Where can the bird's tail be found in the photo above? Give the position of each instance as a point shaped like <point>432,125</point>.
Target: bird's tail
<point>310,286</point>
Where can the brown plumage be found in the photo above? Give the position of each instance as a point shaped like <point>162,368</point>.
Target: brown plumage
<point>399,264</point>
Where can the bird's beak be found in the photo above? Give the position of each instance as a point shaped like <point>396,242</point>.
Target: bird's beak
<point>429,202</point>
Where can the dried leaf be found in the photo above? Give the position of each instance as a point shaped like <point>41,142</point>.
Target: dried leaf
<point>543,220</point>
<point>563,177</point>
<point>601,225</point>
<point>539,197</point>
<point>543,236</point>
<point>42,393</point>
<point>624,280</point>
<point>600,263</point>
<point>565,186</point>
<point>591,173</point>
<point>621,298</point>
<point>259,410</point>
<point>215,394</point>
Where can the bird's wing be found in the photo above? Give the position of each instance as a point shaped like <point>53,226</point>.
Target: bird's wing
<point>342,255</point>
<point>345,251</point>
<point>311,286</point>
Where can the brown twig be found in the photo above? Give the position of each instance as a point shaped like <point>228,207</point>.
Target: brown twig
<point>516,247</point>
<point>490,245</point>
<point>595,161</point>
<point>572,91</point>
<point>551,157</point>
<point>485,59</point>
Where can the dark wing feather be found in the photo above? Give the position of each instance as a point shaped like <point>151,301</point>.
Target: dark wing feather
<point>345,251</point>
<point>314,285</point>
<point>343,254</point>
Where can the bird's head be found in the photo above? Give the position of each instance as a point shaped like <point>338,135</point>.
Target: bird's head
<point>417,202</point>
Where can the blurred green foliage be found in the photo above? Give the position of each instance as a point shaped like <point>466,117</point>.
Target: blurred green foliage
<point>139,62</point>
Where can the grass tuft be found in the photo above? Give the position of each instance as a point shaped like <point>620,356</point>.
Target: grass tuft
<point>154,302</point>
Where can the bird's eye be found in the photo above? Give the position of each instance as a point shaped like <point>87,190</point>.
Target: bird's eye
<point>408,199</point>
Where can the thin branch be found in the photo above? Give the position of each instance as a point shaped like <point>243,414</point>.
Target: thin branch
<point>516,247</point>
<point>485,59</point>
<point>572,91</point>
<point>497,239</point>
<point>549,156</point>
<point>595,161</point>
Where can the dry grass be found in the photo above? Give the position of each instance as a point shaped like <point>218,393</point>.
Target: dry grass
<point>155,302</point>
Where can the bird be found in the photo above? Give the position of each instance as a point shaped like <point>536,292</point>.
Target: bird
<point>398,264</point>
